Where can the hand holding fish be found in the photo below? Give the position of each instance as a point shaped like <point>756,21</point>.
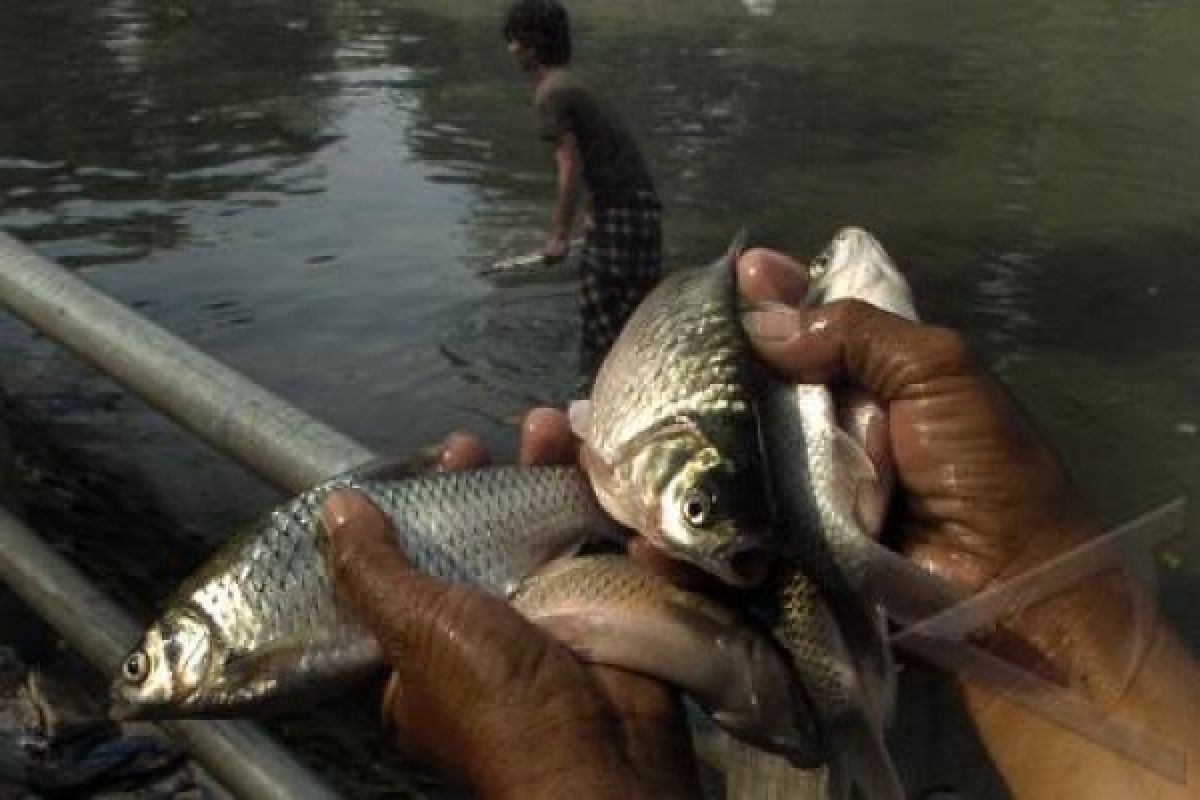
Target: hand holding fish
<point>982,495</point>
<point>982,498</point>
<point>484,694</point>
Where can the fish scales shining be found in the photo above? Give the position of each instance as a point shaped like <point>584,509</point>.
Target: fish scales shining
<point>671,428</point>
<point>259,621</point>
<point>681,353</point>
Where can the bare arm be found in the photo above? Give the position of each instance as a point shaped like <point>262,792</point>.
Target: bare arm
<point>568,168</point>
<point>981,499</point>
<point>1088,633</point>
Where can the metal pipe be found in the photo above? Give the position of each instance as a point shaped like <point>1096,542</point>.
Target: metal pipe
<point>227,411</point>
<point>238,418</point>
<point>238,754</point>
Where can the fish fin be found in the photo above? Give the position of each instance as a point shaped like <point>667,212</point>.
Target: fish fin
<point>579,415</point>
<point>754,774</point>
<point>860,761</point>
<point>272,663</point>
<point>939,639</point>
<point>1063,706</point>
<point>738,244</point>
<point>905,591</point>
<point>864,490</point>
<point>956,620</point>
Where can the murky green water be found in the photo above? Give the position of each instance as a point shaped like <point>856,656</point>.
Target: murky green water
<point>305,189</point>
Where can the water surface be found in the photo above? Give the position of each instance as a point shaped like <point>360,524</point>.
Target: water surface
<point>306,189</point>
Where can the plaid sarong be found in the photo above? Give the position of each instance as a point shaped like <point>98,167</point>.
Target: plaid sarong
<point>621,263</point>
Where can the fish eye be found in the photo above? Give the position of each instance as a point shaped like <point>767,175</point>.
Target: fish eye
<point>136,668</point>
<point>698,506</point>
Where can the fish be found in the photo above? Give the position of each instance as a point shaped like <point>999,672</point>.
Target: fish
<point>677,445</point>
<point>830,504</point>
<point>840,490</point>
<point>828,500</point>
<point>610,610</point>
<point>670,429</point>
<point>258,625</point>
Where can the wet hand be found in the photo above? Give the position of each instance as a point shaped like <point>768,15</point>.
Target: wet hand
<point>487,696</point>
<point>976,481</point>
<point>555,248</point>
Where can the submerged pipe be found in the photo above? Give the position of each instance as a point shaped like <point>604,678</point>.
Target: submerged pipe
<point>238,754</point>
<point>238,418</point>
<point>242,420</point>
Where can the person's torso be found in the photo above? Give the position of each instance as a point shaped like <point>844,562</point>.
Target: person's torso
<point>613,167</point>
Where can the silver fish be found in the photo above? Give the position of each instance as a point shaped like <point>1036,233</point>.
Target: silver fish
<point>828,499</point>
<point>610,610</point>
<point>259,624</point>
<point>670,429</point>
<point>837,493</point>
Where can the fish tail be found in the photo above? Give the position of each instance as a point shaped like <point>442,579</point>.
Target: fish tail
<point>754,774</point>
<point>860,766</point>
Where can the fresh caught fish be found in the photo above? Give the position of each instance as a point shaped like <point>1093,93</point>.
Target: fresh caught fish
<point>671,431</point>
<point>258,623</point>
<point>610,610</point>
<point>830,502</point>
<point>828,497</point>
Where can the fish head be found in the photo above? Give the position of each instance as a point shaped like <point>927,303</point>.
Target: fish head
<point>684,495</point>
<point>855,265</point>
<point>167,668</point>
<point>709,514</point>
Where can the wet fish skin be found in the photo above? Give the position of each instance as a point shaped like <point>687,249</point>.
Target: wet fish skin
<point>258,625</point>
<point>671,428</point>
<point>853,490</point>
<point>829,499</point>
<point>611,610</point>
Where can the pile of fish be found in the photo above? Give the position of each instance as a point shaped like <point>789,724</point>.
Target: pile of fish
<point>688,441</point>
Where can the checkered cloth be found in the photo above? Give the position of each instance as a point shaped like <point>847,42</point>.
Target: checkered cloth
<point>621,263</point>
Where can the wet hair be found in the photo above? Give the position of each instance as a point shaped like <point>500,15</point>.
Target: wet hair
<point>543,26</point>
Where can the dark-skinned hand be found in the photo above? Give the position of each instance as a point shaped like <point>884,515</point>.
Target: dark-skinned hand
<point>486,696</point>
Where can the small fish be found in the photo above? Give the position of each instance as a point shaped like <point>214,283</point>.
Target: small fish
<point>838,491</point>
<point>612,611</point>
<point>828,499</point>
<point>671,430</point>
<point>258,624</point>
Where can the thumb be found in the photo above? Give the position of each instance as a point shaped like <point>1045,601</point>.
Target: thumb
<point>852,341</point>
<point>397,603</point>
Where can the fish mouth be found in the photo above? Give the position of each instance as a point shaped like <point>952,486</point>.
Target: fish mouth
<point>742,565</point>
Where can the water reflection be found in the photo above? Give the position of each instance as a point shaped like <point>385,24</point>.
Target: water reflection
<point>303,189</point>
<point>160,106</point>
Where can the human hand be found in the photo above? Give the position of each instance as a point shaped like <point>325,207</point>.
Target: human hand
<point>981,496</point>
<point>485,695</point>
<point>555,248</point>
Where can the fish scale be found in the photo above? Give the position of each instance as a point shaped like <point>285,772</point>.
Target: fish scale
<point>668,363</point>
<point>671,428</point>
<point>265,608</point>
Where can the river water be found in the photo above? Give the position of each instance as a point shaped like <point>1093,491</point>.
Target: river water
<point>306,189</point>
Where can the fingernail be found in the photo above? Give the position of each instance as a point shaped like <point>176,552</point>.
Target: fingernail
<point>335,511</point>
<point>778,276</point>
<point>460,450</point>
<point>776,324</point>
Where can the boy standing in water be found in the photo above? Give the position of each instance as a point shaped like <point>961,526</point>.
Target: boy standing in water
<point>622,252</point>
